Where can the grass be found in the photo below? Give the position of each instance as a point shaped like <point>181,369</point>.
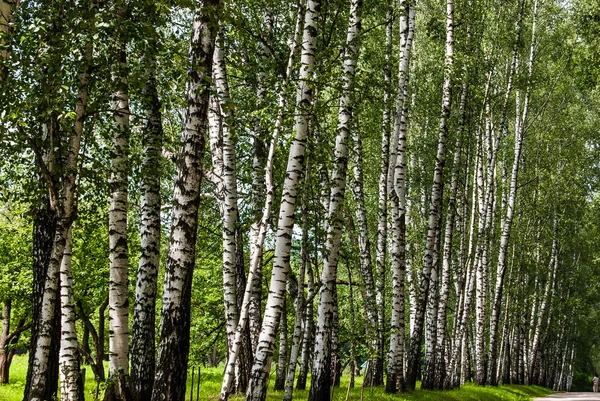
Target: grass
<point>210,385</point>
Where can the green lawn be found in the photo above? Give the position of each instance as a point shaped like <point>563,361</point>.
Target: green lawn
<point>210,384</point>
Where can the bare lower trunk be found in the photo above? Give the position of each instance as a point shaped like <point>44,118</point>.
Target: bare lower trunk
<point>434,357</point>
<point>70,389</point>
<point>300,305</point>
<point>174,343</point>
<point>432,242</point>
<point>282,358</point>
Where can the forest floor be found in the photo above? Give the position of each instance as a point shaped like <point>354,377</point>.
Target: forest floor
<point>210,384</point>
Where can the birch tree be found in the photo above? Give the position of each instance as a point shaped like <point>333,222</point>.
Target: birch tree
<point>375,373</point>
<point>174,342</point>
<point>324,341</point>
<point>7,11</point>
<point>432,251</point>
<point>61,195</point>
<point>259,228</point>
<point>143,348</point>
<point>118,299</point>
<point>507,224</point>
<point>70,389</point>
<point>257,388</point>
<point>396,182</point>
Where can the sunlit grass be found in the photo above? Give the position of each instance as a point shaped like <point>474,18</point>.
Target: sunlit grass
<point>210,385</point>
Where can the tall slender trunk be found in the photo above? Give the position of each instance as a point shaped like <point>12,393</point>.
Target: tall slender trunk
<point>506,229</point>
<point>300,304</point>
<point>4,350</point>
<point>143,349</point>
<point>325,342</point>
<point>70,385</point>
<point>432,247</point>
<point>396,188</point>
<point>309,324</point>
<point>532,358</point>
<point>434,205</point>
<point>260,228</point>
<point>282,353</point>
<point>174,343</point>
<point>440,373</point>
<point>224,165</point>
<point>259,188</point>
<point>118,298</point>
<point>375,372</point>
<point>257,388</point>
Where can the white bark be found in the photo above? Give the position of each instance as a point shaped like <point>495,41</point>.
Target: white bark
<point>295,169</point>
<point>260,227</point>
<point>69,347</point>
<point>382,210</point>
<point>552,268</point>
<point>143,337</point>
<point>324,340</point>
<point>510,206</point>
<point>118,295</point>
<point>65,213</point>
<point>396,188</point>
<point>174,343</point>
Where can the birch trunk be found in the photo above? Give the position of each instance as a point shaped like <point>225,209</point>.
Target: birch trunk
<point>461,322</point>
<point>532,358</point>
<point>434,212</point>
<point>260,227</point>
<point>44,227</point>
<point>143,349</point>
<point>309,324</point>
<point>224,165</point>
<point>282,354</point>
<point>118,296</point>
<point>70,389</point>
<point>40,377</point>
<point>257,388</point>
<point>375,373</point>
<point>174,340</point>
<point>506,229</point>
<point>300,304</point>
<point>432,247</point>
<point>325,342</point>
<point>440,373</point>
<point>259,189</point>
<point>396,187</point>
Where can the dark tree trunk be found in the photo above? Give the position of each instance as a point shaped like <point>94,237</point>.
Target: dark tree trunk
<point>143,362</point>
<point>174,343</point>
<point>44,227</point>
<point>244,363</point>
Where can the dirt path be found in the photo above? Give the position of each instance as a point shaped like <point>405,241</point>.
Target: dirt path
<point>571,397</point>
